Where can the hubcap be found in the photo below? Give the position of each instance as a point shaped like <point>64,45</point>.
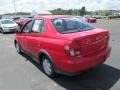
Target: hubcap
<point>47,66</point>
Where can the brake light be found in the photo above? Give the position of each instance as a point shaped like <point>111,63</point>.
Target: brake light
<point>71,51</point>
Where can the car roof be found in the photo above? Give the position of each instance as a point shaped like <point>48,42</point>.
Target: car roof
<point>52,16</point>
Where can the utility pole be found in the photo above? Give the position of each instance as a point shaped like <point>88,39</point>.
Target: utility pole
<point>15,11</point>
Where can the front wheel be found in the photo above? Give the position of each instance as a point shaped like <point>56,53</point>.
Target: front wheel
<point>2,31</point>
<point>47,67</point>
<point>89,21</point>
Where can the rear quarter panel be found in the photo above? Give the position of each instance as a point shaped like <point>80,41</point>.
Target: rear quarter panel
<point>55,48</point>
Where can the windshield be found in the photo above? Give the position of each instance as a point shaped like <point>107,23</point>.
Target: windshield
<point>7,22</point>
<point>87,16</point>
<point>71,25</point>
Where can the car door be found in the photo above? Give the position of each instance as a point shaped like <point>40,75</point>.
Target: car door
<point>36,37</point>
<point>22,36</point>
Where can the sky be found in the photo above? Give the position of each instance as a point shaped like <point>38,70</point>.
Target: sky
<point>7,6</point>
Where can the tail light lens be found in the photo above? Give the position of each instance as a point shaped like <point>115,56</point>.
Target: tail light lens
<point>70,51</point>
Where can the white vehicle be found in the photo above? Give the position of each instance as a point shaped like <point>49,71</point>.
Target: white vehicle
<point>7,25</point>
<point>81,18</point>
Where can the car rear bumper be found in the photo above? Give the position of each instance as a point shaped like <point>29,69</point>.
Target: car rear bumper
<point>78,64</point>
<point>92,21</point>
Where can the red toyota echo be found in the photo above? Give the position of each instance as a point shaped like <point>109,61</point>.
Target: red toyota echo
<point>63,44</point>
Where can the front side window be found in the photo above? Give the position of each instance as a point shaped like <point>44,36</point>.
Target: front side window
<point>71,25</point>
<point>37,26</point>
<point>27,27</point>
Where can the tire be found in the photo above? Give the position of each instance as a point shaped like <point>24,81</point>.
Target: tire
<point>47,67</point>
<point>89,21</point>
<point>2,31</point>
<point>17,46</point>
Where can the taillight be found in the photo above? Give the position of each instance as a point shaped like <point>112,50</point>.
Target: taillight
<point>72,52</point>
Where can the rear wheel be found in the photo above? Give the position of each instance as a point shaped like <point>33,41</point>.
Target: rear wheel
<point>18,47</point>
<point>47,67</point>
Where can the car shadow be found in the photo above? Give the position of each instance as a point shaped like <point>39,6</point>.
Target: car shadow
<point>9,33</point>
<point>103,77</point>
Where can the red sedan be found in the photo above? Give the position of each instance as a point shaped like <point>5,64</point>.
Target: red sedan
<point>63,44</point>
<point>90,19</point>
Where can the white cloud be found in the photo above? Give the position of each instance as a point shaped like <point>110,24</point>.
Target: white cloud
<point>42,5</point>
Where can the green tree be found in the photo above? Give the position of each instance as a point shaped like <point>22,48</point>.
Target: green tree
<point>70,12</point>
<point>0,16</point>
<point>82,11</point>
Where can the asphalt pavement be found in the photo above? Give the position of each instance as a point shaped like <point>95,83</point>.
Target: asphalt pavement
<point>20,72</point>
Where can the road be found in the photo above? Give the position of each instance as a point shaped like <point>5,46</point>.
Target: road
<point>20,72</point>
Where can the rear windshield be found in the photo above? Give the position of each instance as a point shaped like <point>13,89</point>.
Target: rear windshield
<point>71,25</point>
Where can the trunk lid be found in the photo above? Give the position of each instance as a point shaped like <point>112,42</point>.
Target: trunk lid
<point>91,41</point>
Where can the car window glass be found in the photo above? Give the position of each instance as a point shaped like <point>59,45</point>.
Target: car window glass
<point>42,27</point>
<point>7,22</point>
<point>37,26</point>
<point>27,28</point>
<point>71,25</point>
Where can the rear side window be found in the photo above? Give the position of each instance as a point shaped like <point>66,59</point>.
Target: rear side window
<point>38,26</point>
<point>71,25</point>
